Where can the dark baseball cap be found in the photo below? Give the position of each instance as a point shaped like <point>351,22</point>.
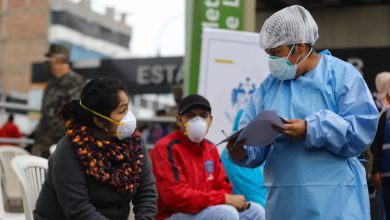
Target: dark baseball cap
<point>57,49</point>
<point>193,101</point>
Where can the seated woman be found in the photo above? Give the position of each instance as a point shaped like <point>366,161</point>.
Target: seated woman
<point>99,166</point>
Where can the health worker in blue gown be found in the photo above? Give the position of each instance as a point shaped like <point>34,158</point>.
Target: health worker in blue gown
<point>311,170</point>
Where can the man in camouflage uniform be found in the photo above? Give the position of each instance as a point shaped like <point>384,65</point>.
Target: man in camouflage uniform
<point>63,86</point>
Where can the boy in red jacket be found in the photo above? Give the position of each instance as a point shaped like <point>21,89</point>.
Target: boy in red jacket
<point>190,178</point>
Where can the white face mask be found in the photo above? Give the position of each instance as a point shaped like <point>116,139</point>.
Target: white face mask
<point>282,69</point>
<point>126,126</point>
<point>196,129</point>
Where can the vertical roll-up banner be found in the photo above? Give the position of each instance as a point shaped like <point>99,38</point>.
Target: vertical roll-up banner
<point>221,14</point>
<point>232,68</point>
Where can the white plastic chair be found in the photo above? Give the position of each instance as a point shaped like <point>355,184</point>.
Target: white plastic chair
<point>31,171</point>
<point>7,215</point>
<point>10,183</point>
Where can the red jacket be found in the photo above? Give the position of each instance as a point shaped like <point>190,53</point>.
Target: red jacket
<point>189,177</point>
<point>9,130</point>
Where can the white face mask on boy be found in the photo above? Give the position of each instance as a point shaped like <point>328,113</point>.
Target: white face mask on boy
<point>196,129</point>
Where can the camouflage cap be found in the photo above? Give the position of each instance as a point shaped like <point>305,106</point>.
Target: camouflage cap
<point>58,49</point>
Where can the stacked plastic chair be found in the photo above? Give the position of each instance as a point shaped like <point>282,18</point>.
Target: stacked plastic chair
<point>31,172</point>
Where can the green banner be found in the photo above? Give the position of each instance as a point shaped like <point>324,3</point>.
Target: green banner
<point>222,14</point>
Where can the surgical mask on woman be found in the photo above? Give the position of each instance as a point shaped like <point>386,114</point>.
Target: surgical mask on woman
<point>282,69</point>
<point>196,129</point>
<point>126,126</point>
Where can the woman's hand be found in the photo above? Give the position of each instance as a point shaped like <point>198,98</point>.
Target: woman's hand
<point>294,129</point>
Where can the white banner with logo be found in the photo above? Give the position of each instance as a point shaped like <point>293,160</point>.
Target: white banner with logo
<point>232,67</point>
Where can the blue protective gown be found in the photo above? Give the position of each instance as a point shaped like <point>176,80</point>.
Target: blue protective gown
<point>318,177</point>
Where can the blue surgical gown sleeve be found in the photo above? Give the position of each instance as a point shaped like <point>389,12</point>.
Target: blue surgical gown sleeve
<point>350,130</point>
<point>255,155</point>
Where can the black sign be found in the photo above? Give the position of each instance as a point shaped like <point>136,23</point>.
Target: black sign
<point>369,61</point>
<point>151,75</point>
<point>157,75</point>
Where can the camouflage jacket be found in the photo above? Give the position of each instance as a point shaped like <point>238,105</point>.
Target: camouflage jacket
<point>58,92</point>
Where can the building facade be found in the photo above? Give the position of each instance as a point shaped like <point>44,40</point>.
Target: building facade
<point>27,27</point>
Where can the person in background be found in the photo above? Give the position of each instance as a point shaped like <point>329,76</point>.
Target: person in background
<point>158,129</point>
<point>63,86</point>
<point>381,146</point>
<point>311,169</point>
<point>100,165</point>
<point>10,130</point>
<point>382,85</point>
<point>177,92</point>
<point>190,177</point>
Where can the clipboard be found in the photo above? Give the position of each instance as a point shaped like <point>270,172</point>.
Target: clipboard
<point>259,131</point>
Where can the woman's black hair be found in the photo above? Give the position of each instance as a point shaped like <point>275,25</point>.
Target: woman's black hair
<point>99,95</point>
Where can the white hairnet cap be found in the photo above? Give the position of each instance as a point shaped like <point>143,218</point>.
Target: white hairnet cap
<point>291,25</point>
<point>382,84</point>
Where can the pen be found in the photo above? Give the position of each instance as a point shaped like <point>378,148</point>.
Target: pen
<point>223,132</point>
<point>284,121</point>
